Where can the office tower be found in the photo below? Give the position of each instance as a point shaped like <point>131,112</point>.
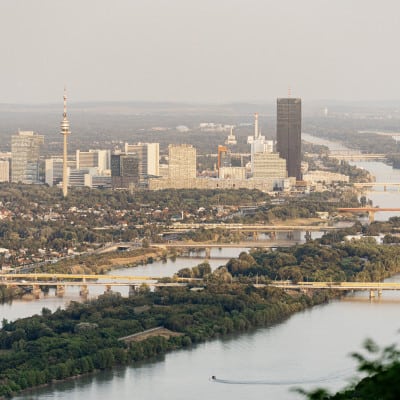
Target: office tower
<point>288,134</point>
<point>76,177</point>
<point>258,143</point>
<point>148,155</point>
<point>65,132</point>
<point>181,162</point>
<point>124,171</point>
<point>98,181</point>
<point>99,159</point>
<point>224,159</point>
<point>25,153</point>
<point>54,171</point>
<point>87,159</point>
<point>269,165</point>
<point>4,171</point>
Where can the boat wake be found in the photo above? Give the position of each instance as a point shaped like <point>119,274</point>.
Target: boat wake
<point>331,377</point>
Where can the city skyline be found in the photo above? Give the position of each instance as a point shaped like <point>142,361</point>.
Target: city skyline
<point>208,52</point>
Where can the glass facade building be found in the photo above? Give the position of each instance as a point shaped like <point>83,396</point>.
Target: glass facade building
<point>25,153</point>
<point>288,134</point>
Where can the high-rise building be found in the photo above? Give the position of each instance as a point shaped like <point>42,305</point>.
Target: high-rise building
<point>148,155</point>
<point>258,143</point>
<point>25,153</point>
<point>93,159</point>
<point>124,171</point>
<point>269,165</point>
<point>288,134</point>
<point>4,170</point>
<point>224,159</point>
<point>181,162</point>
<point>54,171</point>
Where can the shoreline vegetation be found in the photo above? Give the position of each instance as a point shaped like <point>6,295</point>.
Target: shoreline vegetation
<point>86,337</point>
<point>99,264</point>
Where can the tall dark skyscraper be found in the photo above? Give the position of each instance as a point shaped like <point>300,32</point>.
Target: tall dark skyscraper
<point>288,134</point>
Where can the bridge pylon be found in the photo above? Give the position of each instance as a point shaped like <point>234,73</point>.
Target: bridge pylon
<point>36,291</point>
<point>84,292</point>
<point>133,290</point>
<point>60,290</point>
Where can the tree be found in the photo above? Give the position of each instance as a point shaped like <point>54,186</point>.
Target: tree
<point>382,381</point>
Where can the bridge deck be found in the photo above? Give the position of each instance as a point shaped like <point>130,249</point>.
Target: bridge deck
<point>339,285</point>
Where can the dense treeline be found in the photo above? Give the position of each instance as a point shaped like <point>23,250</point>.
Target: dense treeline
<point>362,260</point>
<point>84,337</point>
<point>347,131</point>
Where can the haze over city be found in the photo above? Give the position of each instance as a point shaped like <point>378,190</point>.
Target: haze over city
<point>199,199</point>
<point>208,51</point>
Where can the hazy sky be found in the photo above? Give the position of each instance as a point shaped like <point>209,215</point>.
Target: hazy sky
<point>198,50</point>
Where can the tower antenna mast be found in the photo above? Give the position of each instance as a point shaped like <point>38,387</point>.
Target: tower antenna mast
<point>65,132</point>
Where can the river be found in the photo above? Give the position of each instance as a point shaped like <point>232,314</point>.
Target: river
<point>312,346</point>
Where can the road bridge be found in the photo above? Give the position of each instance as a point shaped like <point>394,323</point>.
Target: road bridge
<point>250,227</point>
<point>384,185</point>
<point>355,156</point>
<point>372,287</point>
<point>37,280</point>
<point>371,211</point>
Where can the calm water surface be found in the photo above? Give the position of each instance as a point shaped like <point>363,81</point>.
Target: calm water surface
<point>312,346</point>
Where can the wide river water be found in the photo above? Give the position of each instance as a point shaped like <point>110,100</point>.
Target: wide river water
<point>310,349</point>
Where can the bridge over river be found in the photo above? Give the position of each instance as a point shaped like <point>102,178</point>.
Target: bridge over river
<point>372,287</point>
<point>368,210</point>
<point>35,281</point>
<point>176,227</point>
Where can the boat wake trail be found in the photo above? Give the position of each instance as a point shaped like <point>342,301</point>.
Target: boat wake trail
<point>331,377</point>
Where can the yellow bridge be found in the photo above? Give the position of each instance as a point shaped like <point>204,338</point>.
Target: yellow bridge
<point>61,281</point>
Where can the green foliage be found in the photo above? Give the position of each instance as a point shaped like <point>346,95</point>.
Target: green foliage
<point>84,337</point>
<point>362,260</point>
<point>382,369</point>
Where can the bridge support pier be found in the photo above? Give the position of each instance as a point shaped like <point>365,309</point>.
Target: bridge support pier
<point>371,216</point>
<point>371,294</point>
<point>133,290</point>
<point>208,253</point>
<point>60,290</point>
<point>84,292</point>
<point>379,292</point>
<point>307,236</point>
<point>36,291</point>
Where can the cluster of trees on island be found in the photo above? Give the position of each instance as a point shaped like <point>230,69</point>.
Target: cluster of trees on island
<point>85,336</point>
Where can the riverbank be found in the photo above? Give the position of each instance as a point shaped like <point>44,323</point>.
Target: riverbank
<point>95,264</point>
<point>86,337</point>
<point>218,310</point>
